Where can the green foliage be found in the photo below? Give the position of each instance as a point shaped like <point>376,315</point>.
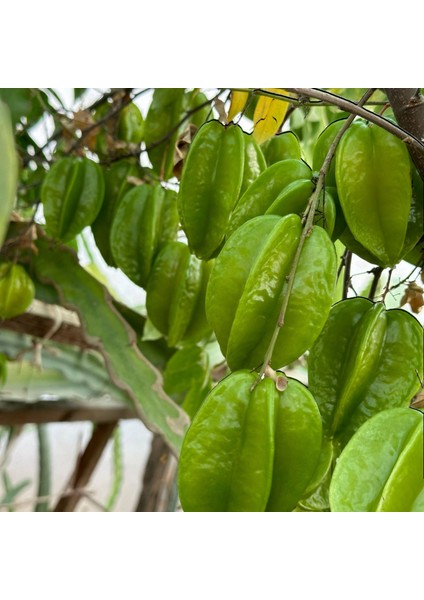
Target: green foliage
<point>230,245</point>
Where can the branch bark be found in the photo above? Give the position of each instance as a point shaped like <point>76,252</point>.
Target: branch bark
<point>85,466</point>
<point>60,411</point>
<point>47,321</point>
<point>408,108</point>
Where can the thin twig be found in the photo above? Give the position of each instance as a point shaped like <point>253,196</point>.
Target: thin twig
<point>299,100</point>
<point>307,228</point>
<point>402,281</point>
<point>342,263</point>
<point>387,286</point>
<point>346,277</point>
<point>112,113</point>
<point>377,271</point>
<point>166,137</point>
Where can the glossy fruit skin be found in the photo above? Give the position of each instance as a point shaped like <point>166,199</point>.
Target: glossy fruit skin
<point>163,116</point>
<point>16,290</point>
<point>72,194</point>
<point>201,115</point>
<point>365,360</point>
<point>294,200</point>
<point>250,450</point>
<point>340,221</point>
<point>373,176</point>
<point>280,147</point>
<point>210,185</point>
<point>254,162</point>
<point>265,190</point>
<point>413,232</point>
<point>321,149</point>
<point>187,379</point>
<point>246,286</point>
<point>8,169</point>
<point>381,468</point>
<point>175,294</point>
<point>145,220</point>
<point>131,124</point>
<point>117,184</point>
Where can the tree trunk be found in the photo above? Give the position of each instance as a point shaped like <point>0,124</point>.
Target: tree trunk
<point>408,108</point>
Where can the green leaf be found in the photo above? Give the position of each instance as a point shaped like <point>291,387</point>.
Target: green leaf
<point>128,367</point>
<point>23,102</point>
<point>78,92</point>
<point>67,373</point>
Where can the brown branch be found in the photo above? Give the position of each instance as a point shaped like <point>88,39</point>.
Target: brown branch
<point>60,411</point>
<point>387,286</point>
<point>158,479</point>
<point>355,109</point>
<point>296,100</point>
<point>408,108</point>
<point>56,323</point>
<point>86,465</point>
<point>42,321</point>
<point>342,262</point>
<point>403,281</point>
<point>377,271</point>
<point>347,278</point>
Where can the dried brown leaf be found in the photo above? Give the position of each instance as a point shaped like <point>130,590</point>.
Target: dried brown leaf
<point>219,105</point>
<point>413,296</point>
<point>181,149</point>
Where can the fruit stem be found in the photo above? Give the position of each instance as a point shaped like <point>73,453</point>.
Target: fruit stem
<point>307,220</point>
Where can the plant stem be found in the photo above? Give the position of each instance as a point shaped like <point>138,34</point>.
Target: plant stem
<point>387,287</point>
<point>117,469</point>
<point>377,274</point>
<point>346,277</point>
<point>44,472</point>
<point>402,281</point>
<point>308,219</point>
